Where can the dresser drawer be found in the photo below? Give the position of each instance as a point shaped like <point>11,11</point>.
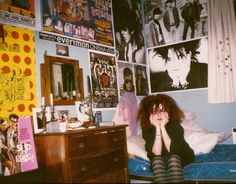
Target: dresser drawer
<point>118,176</point>
<point>97,144</point>
<point>85,169</point>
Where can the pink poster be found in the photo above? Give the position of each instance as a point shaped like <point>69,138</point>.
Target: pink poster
<point>26,154</point>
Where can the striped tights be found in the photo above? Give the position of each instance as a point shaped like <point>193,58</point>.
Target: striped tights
<point>167,169</point>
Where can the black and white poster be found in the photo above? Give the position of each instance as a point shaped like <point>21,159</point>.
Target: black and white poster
<point>129,40</point>
<point>172,21</point>
<point>179,66</point>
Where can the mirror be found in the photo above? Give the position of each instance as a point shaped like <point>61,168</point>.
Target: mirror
<point>62,78</point>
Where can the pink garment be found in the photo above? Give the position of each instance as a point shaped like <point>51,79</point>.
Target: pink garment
<point>128,110</point>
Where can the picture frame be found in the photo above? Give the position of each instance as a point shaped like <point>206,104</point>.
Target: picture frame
<point>37,118</point>
<point>82,111</point>
<point>63,115</point>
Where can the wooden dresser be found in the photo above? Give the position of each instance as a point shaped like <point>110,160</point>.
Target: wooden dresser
<point>97,155</point>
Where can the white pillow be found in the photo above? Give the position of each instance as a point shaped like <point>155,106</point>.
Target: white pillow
<point>202,140</point>
<point>135,145</point>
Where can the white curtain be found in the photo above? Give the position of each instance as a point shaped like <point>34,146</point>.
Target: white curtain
<point>222,52</point>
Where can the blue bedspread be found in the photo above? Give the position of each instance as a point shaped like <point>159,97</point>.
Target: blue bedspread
<point>219,164</point>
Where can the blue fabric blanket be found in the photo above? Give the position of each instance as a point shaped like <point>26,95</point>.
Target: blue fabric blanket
<point>219,164</point>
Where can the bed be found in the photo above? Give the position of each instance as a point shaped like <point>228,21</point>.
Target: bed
<point>218,165</point>
<point>215,161</point>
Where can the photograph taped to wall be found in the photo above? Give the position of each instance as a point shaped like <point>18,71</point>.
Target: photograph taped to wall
<point>189,21</point>
<point>104,81</point>
<point>62,50</point>
<point>179,67</point>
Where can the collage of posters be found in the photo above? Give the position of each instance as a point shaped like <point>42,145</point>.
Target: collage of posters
<point>130,45</point>
<point>88,20</point>
<point>176,39</point>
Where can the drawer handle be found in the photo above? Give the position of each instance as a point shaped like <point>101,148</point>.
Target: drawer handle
<point>115,139</point>
<point>82,145</point>
<point>116,159</point>
<point>84,169</point>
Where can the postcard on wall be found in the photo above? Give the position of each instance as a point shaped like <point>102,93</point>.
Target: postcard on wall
<point>104,81</point>
<point>180,66</point>
<point>87,20</point>
<point>20,13</point>
<point>188,21</point>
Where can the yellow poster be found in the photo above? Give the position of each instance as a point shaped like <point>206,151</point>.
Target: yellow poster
<point>17,72</point>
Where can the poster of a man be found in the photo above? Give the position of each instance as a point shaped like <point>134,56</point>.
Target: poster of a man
<point>179,66</point>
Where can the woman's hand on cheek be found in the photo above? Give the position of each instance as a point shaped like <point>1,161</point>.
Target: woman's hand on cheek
<point>165,120</point>
<point>153,121</point>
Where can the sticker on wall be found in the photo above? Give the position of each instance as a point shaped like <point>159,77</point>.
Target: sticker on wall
<point>17,72</point>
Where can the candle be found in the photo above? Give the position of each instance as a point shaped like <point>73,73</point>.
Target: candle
<point>43,101</point>
<point>51,99</point>
<point>74,93</point>
<point>89,85</point>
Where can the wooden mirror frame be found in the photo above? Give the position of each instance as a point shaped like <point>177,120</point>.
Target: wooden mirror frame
<point>47,78</point>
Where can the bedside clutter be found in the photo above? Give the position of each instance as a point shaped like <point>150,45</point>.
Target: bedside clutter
<point>88,155</point>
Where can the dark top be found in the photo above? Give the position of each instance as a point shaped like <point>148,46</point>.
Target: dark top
<point>178,144</point>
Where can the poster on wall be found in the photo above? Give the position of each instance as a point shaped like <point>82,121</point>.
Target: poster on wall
<point>129,40</point>
<point>17,71</point>
<point>179,66</point>
<point>171,21</point>
<point>126,77</point>
<point>19,13</point>
<point>104,81</point>
<point>87,20</point>
<point>18,149</point>
<point>141,81</point>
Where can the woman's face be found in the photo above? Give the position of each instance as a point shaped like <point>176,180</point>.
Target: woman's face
<point>126,35</point>
<point>159,113</point>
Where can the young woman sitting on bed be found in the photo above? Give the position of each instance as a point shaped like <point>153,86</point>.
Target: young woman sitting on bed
<point>164,138</point>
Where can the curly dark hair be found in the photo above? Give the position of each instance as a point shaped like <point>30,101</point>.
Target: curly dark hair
<point>15,116</point>
<point>153,101</point>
